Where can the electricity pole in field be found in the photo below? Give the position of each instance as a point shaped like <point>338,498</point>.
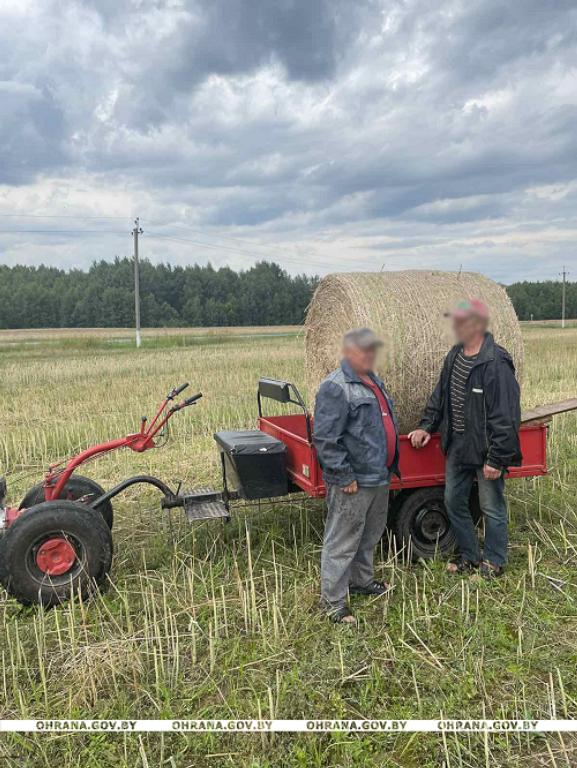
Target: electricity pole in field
<point>564,273</point>
<point>135,233</point>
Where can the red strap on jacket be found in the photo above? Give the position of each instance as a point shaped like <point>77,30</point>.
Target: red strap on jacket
<point>388,423</point>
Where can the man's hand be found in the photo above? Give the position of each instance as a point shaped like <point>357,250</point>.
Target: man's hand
<point>352,488</point>
<point>491,473</point>
<point>419,438</point>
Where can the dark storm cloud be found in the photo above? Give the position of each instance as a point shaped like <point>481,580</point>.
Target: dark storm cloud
<point>291,117</point>
<point>31,131</point>
<point>306,38</point>
<point>493,34</point>
<point>235,36</point>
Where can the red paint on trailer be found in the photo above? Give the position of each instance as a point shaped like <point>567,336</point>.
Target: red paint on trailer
<point>419,469</point>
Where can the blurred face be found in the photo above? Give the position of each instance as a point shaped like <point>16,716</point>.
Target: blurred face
<point>362,361</point>
<point>468,329</point>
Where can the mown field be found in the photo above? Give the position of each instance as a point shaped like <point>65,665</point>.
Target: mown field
<point>221,620</point>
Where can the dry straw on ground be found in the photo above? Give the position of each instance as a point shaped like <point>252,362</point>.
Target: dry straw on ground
<point>406,310</point>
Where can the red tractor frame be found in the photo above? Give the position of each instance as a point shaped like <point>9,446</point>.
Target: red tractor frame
<point>59,540</point>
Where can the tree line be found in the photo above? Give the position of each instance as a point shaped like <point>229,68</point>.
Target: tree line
<point>265,294</point>
<point>103,297</point>
<point>542,301</point>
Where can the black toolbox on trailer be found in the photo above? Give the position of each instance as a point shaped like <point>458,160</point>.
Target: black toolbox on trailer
<point>254,463</point>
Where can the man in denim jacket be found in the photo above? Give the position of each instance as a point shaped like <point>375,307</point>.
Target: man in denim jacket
<point>357,444</point>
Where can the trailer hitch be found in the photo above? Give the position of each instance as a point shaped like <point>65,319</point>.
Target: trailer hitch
<point>169,496</point>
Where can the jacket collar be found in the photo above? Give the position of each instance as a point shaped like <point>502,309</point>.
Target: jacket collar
<point>487,351</point>
<point>351,376</point>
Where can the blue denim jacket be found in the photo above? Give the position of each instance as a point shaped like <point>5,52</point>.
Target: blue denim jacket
<point>349,435</point>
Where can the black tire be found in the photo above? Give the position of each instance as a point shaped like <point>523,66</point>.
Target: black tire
<point>395,503</point>
<point>421,518</point>
<point>76,487</point>
<point>72,521</point>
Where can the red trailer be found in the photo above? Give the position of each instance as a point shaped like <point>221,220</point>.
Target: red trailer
<point>417,512</point>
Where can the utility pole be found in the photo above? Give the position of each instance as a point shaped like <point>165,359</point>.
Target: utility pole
<point>135,233</point>
<point>564,273</point>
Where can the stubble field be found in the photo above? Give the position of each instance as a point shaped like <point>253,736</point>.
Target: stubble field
<point>221,620</point>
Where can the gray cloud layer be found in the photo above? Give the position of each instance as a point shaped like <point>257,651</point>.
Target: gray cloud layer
<point>418,133</point>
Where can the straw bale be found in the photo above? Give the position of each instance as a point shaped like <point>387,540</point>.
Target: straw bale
<point>406,310</point>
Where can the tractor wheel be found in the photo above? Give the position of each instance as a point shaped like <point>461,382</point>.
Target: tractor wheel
<point>422,519</point>
<point>53,551</point>
<point>76,488</point>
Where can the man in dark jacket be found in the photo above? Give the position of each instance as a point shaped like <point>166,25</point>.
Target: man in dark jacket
<point>477,405</point>
<point>357,444</point>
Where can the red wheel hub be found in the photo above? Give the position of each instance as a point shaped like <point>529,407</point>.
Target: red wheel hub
<point>55,557</point>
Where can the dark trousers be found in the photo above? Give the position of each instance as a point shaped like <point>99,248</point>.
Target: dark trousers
<point>459,481</point>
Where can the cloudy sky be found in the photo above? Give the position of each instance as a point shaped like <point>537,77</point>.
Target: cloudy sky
<point>325,134</point>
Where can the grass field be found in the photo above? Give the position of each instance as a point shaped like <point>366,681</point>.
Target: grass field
<point>222,621</point>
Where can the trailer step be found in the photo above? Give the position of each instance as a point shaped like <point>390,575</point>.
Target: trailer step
<point>204,504</point>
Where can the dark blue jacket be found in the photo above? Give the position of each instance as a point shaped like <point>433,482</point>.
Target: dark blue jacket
<point>349,434</point>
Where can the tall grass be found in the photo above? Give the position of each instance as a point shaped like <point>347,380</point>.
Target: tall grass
<point>221,620</point>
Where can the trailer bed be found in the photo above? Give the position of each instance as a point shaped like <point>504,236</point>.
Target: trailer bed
<point>418,468</point>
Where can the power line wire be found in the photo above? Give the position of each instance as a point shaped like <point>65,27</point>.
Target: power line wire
<point>63,231</point>
<point>157,236</point>
<point>233,250</point>
<point>245,242</point>
<point>301,260</point>
<point>57,216</point>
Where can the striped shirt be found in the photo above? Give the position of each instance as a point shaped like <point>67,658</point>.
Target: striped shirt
<point>459,375</point>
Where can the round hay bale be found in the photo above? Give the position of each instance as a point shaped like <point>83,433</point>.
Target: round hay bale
<point>406,310</point>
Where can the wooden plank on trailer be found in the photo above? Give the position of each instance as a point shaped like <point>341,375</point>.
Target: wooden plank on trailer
<point>544,413</point>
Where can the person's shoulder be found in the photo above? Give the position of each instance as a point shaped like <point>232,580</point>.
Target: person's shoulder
<point>335,377</point>
<point>501,353</point>
<point>502,360</point>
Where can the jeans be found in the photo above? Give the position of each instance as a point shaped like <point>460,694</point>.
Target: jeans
<point>459,481</point>
<point>354,526</point>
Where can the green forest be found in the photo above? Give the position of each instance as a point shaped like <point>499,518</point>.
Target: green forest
<point>103,297</point>
<point>265,294</point>
<point>543,300</point>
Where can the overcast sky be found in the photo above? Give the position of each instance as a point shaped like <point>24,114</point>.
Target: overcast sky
<point>329,134</point>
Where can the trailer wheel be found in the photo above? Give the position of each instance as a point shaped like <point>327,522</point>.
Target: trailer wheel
<point>53,551</point>
<point>421,518</point>
<point>76,488</point>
